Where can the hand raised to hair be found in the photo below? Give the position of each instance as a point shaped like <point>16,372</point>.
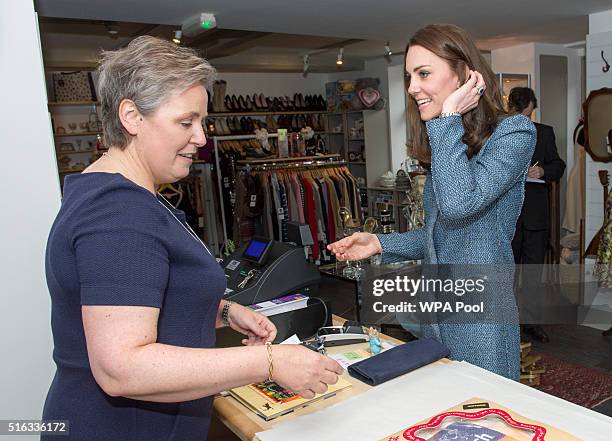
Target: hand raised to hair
<point>356,246</point>
<point>466,97</point>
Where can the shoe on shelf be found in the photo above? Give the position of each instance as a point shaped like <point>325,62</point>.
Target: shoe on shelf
<point>296,101</point>
<point>228,103</point>
<point>235,104</point>
<point>321,104</point>
<point>234,125</point>
<point>218,128</point>
<point>264,102</point>
<point>218,99</point>
<point>242,104</point>
<point>249,104</point>
<point>271,123</point>
<point>257,103</point>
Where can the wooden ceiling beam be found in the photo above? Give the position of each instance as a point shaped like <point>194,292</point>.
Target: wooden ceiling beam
<point>237,45</point>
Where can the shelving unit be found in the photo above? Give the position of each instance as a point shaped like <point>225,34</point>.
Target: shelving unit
<point>258,113</point>
<point>76,134</point>
<point>74,112</point>
<point>72,103</point>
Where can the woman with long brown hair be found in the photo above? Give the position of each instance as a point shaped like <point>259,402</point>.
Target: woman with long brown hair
<point>476,158</point>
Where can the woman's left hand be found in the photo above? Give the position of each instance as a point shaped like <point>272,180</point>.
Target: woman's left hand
<point>466,97</point>
<point>257,327</point>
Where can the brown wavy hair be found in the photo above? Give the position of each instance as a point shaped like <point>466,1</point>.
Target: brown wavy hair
<point>454,45</point>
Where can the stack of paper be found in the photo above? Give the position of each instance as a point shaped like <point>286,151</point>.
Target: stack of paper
<point>282,304</point>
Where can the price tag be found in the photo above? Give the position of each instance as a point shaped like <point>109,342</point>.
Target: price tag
<point>253,200</point>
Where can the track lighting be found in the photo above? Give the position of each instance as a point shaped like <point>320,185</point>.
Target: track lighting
<point>177,36</point>
<point>339,60</point>
<point>388,51</point>
<point>306,59</point>
<point>112,28</point>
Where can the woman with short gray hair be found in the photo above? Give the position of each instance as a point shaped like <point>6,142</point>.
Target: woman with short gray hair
<point>136,295</point>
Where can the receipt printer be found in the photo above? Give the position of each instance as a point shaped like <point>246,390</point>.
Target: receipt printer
<point>264,269</point>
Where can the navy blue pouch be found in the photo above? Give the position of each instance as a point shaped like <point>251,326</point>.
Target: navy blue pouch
<point>398,361</point>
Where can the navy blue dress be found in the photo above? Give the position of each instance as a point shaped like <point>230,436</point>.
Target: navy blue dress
<point>114,243</point>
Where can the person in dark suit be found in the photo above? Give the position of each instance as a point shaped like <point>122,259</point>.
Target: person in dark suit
<point>531,236</point>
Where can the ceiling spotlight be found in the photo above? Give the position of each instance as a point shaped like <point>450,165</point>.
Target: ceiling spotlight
<point>177,37</point>
<point>339,60</point>
<point>112,28</point>
<point>306,59</point>
<point>388,51</point>
<point>198,24</point>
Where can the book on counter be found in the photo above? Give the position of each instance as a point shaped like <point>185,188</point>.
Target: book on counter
<point>282,304</point>
<point>270,400</point>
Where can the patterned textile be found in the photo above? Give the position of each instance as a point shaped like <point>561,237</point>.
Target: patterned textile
<point>603,268</point>
<point>471,208</point>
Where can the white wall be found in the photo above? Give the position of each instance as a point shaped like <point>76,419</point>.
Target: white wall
<point>574,92</point>
<point>514,60</point>
<point>30,200</point>
<point>397,116</point>
<point>599,38</point>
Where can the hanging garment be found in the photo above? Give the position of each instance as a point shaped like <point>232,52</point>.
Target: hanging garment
<point>268,225</point>
<point>574,197</point>
<point>603,267</point>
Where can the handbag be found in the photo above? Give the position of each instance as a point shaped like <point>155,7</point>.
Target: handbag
<point>74,86</point>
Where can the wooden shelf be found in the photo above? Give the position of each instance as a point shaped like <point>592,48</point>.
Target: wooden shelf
<point>356,162</point>
<point>300,158</point>
<point>75,170</point>
<point>258,113</point>
<point>76,152</point>
<point>66,135</point>
<point>72,103</point>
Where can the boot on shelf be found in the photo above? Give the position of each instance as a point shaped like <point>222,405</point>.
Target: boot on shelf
<point>219,96</point>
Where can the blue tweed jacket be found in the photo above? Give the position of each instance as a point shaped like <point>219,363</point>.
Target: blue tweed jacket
<point>471,208</point>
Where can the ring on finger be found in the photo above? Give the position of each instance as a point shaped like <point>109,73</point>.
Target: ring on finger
<point>480,90</point>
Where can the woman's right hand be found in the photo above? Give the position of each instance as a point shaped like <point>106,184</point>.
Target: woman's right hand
<point>303,370</point>
<point>356,246</point>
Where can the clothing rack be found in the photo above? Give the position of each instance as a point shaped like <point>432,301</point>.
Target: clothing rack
<point>290,189</point>
<point>216,140</point>
<point>291,163</point>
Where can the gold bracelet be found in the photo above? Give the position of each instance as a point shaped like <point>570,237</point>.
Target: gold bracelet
<point>270,362</point>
